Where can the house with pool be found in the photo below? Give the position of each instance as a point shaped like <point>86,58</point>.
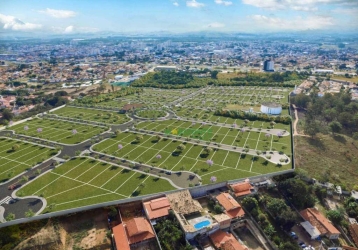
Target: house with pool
<point>192,218</point>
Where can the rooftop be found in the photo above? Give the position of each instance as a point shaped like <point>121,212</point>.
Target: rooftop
<point>120,237</point>
<point>271,104</point>
<point>319,221</point>
<point>138,229</point>
<point>157,208</point>
<point>353,231</point>
<point>226,241</point>
<point>231,206</point>
<point>241,188</point>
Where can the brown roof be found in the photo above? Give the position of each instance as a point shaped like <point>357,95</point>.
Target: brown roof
<point>131,106</point>
<point>231,206</point>
<point>226,241</point>
<point>353,230</point>
<point>139,229</point>
<point>183,203</point>
<point>318,220</point>
<point>241,189</point>
<point>157,208</point>
<point>349,248</point>
<point>120,237</point>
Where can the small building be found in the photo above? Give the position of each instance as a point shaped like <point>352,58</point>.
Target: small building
<point>269,66</point>
<point>311,230</point>
<point>224,220</point>
<point>135,231</point>
<point>271,108</point>
<point>232,208</point>
<point>318,220</point>
<point>165,68</point>
<point>157,208</point>
<point>241,189</point>
<point>226,241</point>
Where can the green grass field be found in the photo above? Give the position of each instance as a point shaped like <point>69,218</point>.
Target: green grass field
<point>151,114</point>
<point>57,131</point>
<point>14,162</point>
<point>227,165</point>
<point>92,115</point>
<point>83,181</point>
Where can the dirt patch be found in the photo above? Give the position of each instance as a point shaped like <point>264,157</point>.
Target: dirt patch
<point>248,239</point>
<point>87,230</point>
<point>47,238</point>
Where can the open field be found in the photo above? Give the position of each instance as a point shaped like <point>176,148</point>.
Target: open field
<point>227,164</point>
<point>84,181</point>
<point>58,131</point>
<point>150,114</point>
<point>92,115</point>
<point>328,158</point>
<point>343,78</point>
<point>15,161</point>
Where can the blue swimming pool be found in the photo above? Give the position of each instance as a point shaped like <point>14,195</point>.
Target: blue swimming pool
<point>202,224</point>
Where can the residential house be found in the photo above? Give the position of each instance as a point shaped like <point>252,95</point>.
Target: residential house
<point>324,226</point>
<point>135,231</point>
<point>232,208</point>
<point>241,189</point>
<point>157,208</point>
<point>226,241</point>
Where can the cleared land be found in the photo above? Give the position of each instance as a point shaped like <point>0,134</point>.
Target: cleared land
<point>58,131</point>
<point>83,181</point>
<point>328,158</point>
<point>27,155</point>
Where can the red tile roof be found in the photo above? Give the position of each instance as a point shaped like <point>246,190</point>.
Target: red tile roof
<point>157,208</point>
<point>241,189</point>
<point>226,241</point>
<point>353,231</point>
<point>120,237</point>
<point>139,229</point>
<point>318,220</point>
<point>231,206</point>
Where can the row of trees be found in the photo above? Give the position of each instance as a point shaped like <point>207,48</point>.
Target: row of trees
<point>238,114</point>
<point>172,79</point>
<point>332,112</point>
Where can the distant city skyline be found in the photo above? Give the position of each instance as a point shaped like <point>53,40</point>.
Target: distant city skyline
<point>177,16</point>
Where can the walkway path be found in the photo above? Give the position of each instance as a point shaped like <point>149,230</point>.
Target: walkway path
<point>295,131</point>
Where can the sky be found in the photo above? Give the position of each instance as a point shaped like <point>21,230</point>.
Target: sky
<point>177,16</point>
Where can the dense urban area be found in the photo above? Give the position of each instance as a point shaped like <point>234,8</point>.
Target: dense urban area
<point>197,141</point>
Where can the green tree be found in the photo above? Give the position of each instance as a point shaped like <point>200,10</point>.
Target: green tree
<point>29,213</point>
<point>335,216</point>
<point>249,203</point>
<point>214,74</point>
<point>181,147</point>
<point>335,127</point>
<point>311,128</point>
<point>276,206</point>
<point>10,217</point>
<point>15,147</point>
<point>218,209</point>
<point>7,115</point>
